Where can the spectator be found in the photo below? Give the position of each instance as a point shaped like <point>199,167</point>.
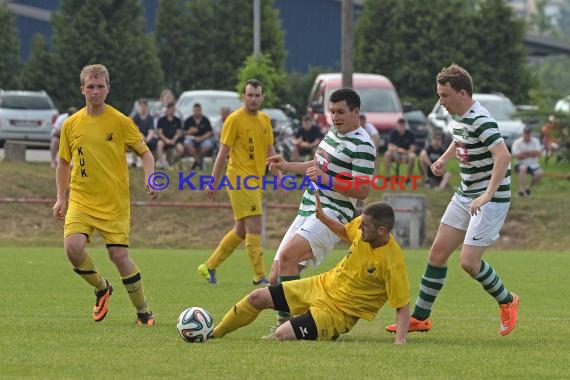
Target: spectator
<point>551,136</point>
<point>526,149</point>
<point>306,140</point>
<point>166,97</point>
<point>56,132</point>
<point>170,139</point>
<point>428,156</point>
<point>217,127</point>
<point>372,131</point>
<point>198,141</point>
<point>401,147</point>
<point>145,123</point>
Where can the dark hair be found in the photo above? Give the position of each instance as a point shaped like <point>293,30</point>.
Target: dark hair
<point>457,77</point>
<point>170,105</point>
<point>401,121</point>
<point>197,105</point>
<point>143,101</point>
<point>382,214</point>
<point>255,83</point>
<point>349,95</point>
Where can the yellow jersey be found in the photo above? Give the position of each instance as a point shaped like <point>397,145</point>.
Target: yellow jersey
<point>366,278</point>
<point>249,137</point>
<point>96,146</point>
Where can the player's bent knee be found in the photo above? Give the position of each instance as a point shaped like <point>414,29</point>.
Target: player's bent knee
<point>260,299</point>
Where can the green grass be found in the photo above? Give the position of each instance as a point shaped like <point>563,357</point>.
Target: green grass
<point>47,331</point>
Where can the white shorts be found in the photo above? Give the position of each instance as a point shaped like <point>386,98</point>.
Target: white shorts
<point>321,239</point>
<point>482,229</point>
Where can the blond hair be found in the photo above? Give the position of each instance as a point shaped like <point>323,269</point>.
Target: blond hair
<point>94,71</point>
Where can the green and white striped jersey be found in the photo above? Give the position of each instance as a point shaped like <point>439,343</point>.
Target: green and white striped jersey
<point>475,133</point>
<point>344,156</point>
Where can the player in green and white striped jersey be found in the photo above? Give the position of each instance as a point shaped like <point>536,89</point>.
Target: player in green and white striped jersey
<point>479,207</point>
<point>346,152</point>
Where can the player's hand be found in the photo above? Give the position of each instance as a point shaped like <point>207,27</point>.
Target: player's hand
<point>318,208</point>
<point>152,193</point>
<point>438,168</point>
<point>314,173</point>
<point>276,162</point>
<point>210,193</point>
<point>59,209</point>
<point>478,203</point>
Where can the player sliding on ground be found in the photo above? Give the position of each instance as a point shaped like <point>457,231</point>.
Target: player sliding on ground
<point>479,207</point>
<point>372,273</point>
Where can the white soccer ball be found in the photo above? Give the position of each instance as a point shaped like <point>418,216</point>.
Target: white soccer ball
<point>195,325</point>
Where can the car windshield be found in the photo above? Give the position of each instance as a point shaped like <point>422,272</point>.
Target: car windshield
<point>25,102</point>
<point>276,114</point>
<point>376,99</point>
<point>500,109</point>
<point>211,105</point>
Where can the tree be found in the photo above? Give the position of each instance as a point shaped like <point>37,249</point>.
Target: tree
<point>410,41</point>
<point>9,50</point>
<point>109,32</point>
<point>261,69</point>
<point>38,71</point>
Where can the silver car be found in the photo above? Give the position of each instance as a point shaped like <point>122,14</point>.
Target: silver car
<point>502,109</point>
<point>26,115</point>
<point>210,100</point>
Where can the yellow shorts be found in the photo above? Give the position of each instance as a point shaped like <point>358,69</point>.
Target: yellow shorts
<point>245,202</point>
<point>112,231</point>
<point>308,294</point>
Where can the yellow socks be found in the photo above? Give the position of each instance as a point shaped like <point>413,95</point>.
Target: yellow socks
<point>253,247</point>
<point>224,250</point>
<point>133,284</point>
<point>88,271</point>
<point>240,315</point>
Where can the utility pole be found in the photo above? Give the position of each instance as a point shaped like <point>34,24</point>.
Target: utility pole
<point>256,28</point>
<point>346,43</point>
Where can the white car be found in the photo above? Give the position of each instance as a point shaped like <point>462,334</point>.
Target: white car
<point>502,109</point>
<point>563,105</point>
<point>26,115</point>
<point>210,100</point>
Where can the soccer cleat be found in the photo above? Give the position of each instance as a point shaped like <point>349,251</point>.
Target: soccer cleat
<point>415,325</point>
<point>208,274</point>
<point>509,313</point>
<point>102,302</point>
<point>145,319</point>
<point>261,282</point>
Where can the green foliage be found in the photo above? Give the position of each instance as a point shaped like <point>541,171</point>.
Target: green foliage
<point>9,50</point>
<point>203,43</point>
<point>38,71</point>
<point>410,41</point>
<point>298,86</point>
<point>260,68</point>
<point>109,32</point>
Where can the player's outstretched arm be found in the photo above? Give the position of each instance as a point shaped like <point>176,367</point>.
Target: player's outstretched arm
<point>402,323</point>
<point>333,224</point>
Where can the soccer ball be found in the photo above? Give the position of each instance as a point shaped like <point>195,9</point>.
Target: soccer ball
<point>195,325</point>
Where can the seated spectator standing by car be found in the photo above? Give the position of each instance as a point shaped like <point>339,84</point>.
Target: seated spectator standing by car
<point>170,138</point>
<point>145,123</point>
<point>428,156</point>
<point>372,131</point>
<point>306,140</point>
<point>401,147</point>
<point>55,132</point>
<point>526,149</point>
<point>199,134</point>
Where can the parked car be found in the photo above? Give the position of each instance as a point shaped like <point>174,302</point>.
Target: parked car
<point>378,97</point>
<point>210,100</point>
<point>26,115</point>
<point>283,131</point>
<point>420,126</point>
<point>500,106</point>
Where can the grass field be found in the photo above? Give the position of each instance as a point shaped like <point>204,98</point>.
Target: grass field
<point>47,331</point>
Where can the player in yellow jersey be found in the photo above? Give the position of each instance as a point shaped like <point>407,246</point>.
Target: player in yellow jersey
<point>372,273</point>
<point>247,138</point>
<point>95,140</point>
